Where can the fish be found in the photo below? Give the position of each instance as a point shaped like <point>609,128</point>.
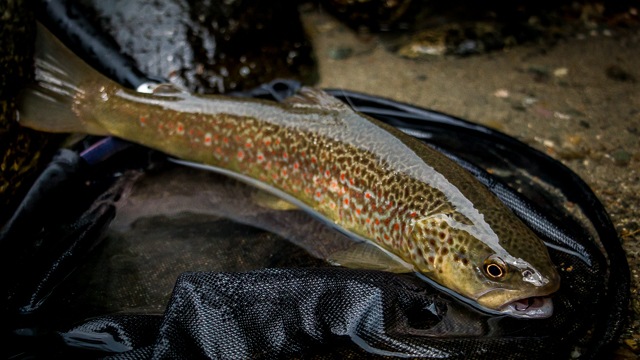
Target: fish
<point>398,198</point>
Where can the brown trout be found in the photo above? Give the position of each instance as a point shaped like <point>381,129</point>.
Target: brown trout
<point>366,178</point>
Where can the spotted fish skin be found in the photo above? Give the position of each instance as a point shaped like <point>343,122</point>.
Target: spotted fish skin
<point>364,176</point>
<point>338,162</point>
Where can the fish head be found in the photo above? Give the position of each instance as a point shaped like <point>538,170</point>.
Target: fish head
<point>514,277</point>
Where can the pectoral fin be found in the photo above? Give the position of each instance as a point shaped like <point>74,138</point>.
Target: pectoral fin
<point>364,255</point>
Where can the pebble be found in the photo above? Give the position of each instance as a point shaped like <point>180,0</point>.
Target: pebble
<point>501,93</point>
<point>340,52</point>
<point>621,157</point>
<point>560,72</point>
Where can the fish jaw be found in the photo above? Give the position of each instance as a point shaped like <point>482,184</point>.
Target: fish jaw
<point>529,308</point>
<point>533,304</point>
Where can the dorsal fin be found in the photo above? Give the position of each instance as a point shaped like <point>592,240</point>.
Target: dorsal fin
<point>315,98</point>
<point>166,89</point>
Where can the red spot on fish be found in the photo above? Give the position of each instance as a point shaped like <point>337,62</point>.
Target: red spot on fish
<point>352,181</point>
<point>225,140</point>
<point>327,173</point>
<point>267,142</point>
<point>377,221</point>
<point>386,237</point>
<point>180,129</point>
<point>318,193</point>
<point>368,220</point>
<point>219,150</point>
<point>358,211</point>
<point>346,201</point>
<point>275,176</point>
<point>296,166</point>
<point>248,145</point>
<point>207,139</point>
<point>285,155</point>
<point>277,141</point>
<point>342,176</point>
<point>260,157</point>
<point>314,159</point>
<point>367,195</point>
<point>143,120</point>
<point>413,214</point>
<point>284,172</point>
<point>396,226</point>
<point>240,155</point>
<point>304,153</point>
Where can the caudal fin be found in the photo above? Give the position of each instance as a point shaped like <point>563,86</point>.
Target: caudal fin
<point>48,104</point>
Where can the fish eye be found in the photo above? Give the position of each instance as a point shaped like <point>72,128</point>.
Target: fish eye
<point>494,267</point>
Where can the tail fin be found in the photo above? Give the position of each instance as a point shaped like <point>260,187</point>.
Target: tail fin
<point>48,105</point>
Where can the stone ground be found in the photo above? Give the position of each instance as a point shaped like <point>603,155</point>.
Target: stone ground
<point>579,101</point>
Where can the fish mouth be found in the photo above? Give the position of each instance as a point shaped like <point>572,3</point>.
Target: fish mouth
<point>535,307</point>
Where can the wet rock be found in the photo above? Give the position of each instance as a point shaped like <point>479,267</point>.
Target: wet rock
<point>209,46</point>
<point>461,39</point>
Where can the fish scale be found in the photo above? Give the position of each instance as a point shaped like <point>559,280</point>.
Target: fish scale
<point>364,177</point>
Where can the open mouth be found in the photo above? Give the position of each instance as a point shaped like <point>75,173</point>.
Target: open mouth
<point>538,307</point>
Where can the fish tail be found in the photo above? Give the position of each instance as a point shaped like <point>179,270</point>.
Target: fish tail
<point>50,104</point>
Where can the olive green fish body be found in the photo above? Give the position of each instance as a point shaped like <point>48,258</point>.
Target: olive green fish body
<point>340,163</point>
<point>365,177</point>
